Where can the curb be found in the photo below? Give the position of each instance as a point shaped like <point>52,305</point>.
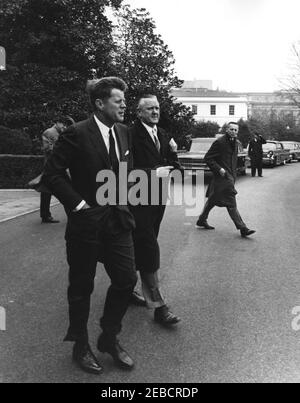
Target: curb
<point>25,213</point>
<point>17,190</point>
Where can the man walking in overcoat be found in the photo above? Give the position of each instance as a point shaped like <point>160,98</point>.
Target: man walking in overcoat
<point>222,160</point>
<point>87,148</point>
<point>49,138</point>
<point>255,153</point>
<point>153,151</point>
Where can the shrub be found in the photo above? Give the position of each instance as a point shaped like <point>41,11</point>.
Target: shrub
<point>17,170</point>
<point>205,129</point>
<point>14,142</point>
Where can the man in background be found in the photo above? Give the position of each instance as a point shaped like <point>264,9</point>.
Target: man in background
<point>255,153</point>
<point>49,138</point>
<point>221,158</point>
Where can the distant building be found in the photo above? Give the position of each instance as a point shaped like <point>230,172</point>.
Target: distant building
<point>208,84</point>
<point>280,103</point>
<point>215,106</point>
<point>222,107</point>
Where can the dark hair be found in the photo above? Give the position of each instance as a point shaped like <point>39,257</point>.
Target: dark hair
<point>233,123</point>
<point>101,88</point>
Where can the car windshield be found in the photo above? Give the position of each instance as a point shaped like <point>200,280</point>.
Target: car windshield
<point>269,147</point>
<point>200,147</point>
<point>289,146</point>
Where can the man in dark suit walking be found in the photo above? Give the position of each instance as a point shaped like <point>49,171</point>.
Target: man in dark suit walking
<point>95,229</point>
<point>255,153</point>
<point>222,160</point>
<point>49,138</point>
<point>153,151</point>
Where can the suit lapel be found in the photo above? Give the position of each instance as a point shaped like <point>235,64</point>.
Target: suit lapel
<point>122,141</point>
<point>98,142</point>
<point>163,143</point>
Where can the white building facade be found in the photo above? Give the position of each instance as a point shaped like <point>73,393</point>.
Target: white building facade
<point>214,106</point>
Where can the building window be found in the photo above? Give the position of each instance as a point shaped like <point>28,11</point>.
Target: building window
<point>213,109</point>
<point>231,110</point>
<point>195,109</point>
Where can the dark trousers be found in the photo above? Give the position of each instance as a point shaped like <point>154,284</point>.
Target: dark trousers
<point>256,164</point>
<point>233,213</point>
<point>147,252</point>
<point>118,255</point>
<point>45,201</point>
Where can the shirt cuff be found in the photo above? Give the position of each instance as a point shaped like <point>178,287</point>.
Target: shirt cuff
<point>79,207</point>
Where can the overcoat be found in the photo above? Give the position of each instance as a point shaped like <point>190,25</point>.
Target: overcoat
<point>222,154</point>
<point>255,150</point>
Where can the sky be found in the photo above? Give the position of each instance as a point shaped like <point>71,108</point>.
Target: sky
<point>241,45</point>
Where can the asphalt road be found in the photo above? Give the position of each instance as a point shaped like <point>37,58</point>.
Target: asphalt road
<point>235,297</point>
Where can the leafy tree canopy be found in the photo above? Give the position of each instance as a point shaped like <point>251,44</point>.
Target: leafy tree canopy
<point>54,46</point>
<point>147,65</point>
<point>205,129</point>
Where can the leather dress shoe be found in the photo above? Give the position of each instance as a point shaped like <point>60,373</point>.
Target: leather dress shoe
<point>247,232</point>
<point>49,220</point>
<point>137,299</point>
<point>85,359</point>
<point>204,224</point>
<point>165,317</point>
<point>119,355</point>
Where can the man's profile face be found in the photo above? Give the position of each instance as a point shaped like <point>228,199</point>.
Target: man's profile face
<point>149,111</point>
<point>113,108</point>
<point>233,130</point>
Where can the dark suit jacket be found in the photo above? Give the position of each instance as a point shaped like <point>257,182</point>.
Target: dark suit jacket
<point>222,154</point>
<point>146,157</point>
<point>82,150</point>
<point>145,154</point>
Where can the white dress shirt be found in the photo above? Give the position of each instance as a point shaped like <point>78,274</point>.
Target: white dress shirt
<point>104,130</point>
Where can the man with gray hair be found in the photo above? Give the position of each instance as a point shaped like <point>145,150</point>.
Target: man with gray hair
<point>153,151</point>
<point>86,148</point>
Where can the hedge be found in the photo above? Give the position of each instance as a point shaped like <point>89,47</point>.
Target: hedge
<point>14,142</point>
<point>17,170</point>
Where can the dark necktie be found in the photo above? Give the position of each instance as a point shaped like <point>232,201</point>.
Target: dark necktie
<point>156,141</point>
<point>112,153</point>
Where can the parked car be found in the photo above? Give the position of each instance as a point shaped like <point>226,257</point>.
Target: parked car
<point>294,149</point>
<point>274,154</point>
<point>194,159</point>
